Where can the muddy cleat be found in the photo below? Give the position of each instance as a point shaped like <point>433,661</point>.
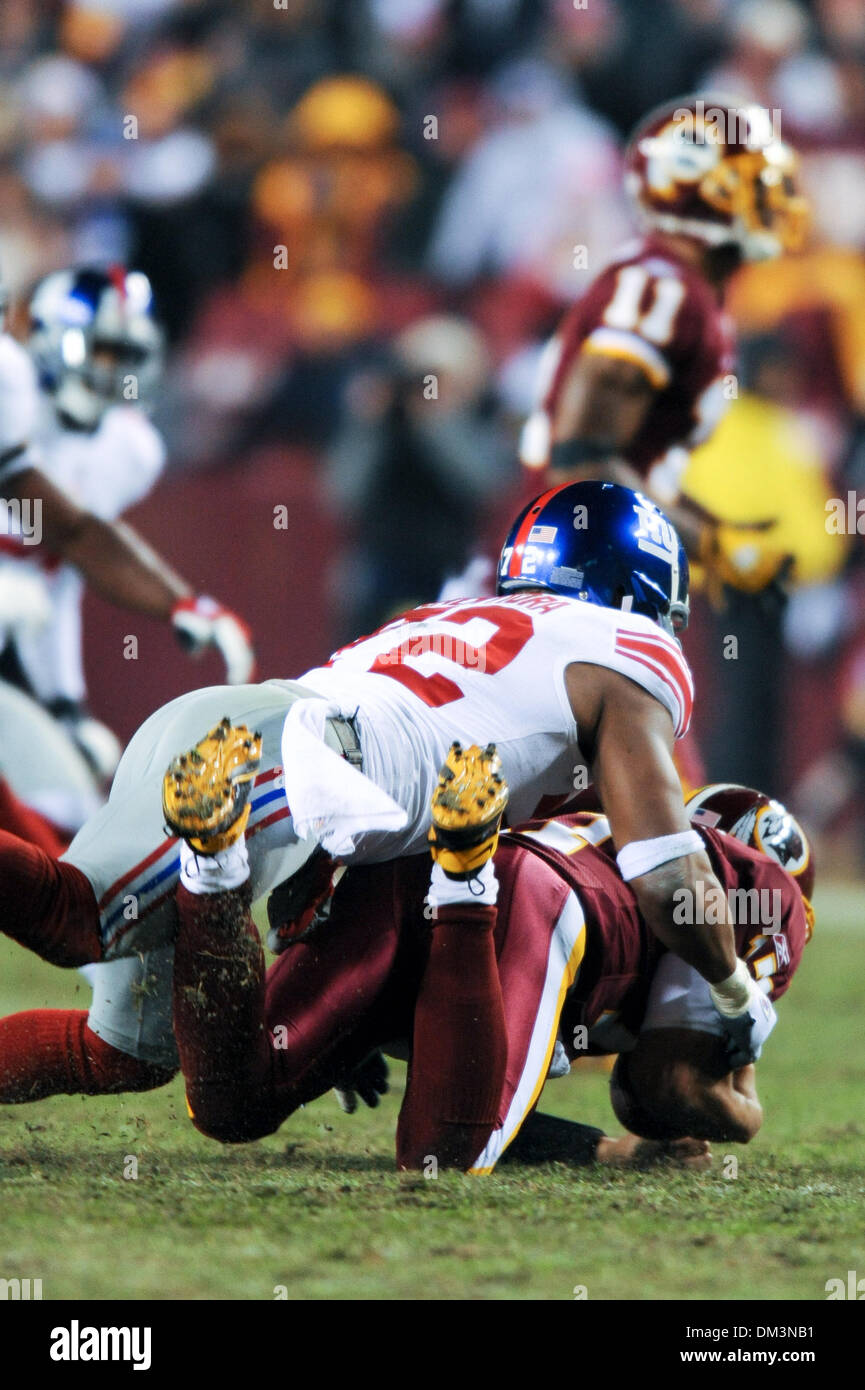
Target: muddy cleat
<point>205,791</point>
<point>467,809</point>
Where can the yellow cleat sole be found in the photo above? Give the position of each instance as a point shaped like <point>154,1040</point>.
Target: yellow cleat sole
<point>467,808</point>
<point>205,791</point>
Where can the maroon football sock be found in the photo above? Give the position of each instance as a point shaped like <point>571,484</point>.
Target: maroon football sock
<point>219,1016</point>
<point>50,1052</point>
<point>47,905</point>
<point>459,1049</point>
<point>27,824</point>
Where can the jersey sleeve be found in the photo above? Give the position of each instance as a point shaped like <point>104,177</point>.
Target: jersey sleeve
<point>773,956</point>
<point>137,465</point>
<point>766,906</point>
<point>656,662</point>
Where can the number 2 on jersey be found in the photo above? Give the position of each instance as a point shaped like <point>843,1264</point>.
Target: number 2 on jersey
<point>513,630</point>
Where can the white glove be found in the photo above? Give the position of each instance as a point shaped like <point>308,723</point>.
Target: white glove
<point>24,602</point>
<point>202,622</point>
<point>748,1015</point>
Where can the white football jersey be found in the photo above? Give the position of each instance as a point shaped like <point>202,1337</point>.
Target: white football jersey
<point>488,671</point>
<point>105,472</point>
<point>19,404</point>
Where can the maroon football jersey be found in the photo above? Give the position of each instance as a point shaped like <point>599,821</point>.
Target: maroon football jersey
<point>621,951</point>
<point>660,312</point>
<point>538,868</point>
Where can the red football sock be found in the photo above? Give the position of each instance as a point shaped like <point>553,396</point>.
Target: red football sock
<point>459,1051</point>
<point>50,1052</point>
<point>27,824</point>
<point>219,1016</point>
<point>47,905</point>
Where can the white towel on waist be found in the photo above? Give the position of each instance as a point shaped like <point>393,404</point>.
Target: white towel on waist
<point>329,799</point>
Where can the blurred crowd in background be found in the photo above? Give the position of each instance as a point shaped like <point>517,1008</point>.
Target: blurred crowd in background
<point>335,198</point>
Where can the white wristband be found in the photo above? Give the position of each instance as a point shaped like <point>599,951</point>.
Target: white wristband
<point>481,891</point>
<point>732,996</point>
<point>214,873</point>
<point>642,856</point>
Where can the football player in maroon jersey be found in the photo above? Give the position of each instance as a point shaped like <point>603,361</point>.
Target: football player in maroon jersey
<point>492,971</point>
<point>491,999</point>
<point>641,369</point>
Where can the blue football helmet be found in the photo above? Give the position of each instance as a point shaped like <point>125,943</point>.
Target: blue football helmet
<point>94,340</point>
<point>601,543</point>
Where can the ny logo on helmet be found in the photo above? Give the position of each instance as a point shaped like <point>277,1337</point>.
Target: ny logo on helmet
<point>654,534</point>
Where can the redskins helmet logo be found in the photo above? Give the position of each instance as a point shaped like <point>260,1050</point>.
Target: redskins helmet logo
<point>777,833</point>
<point>678,154</point>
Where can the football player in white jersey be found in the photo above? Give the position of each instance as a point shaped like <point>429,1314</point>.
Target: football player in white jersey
<point>573,671</point>
<point>74,455</point>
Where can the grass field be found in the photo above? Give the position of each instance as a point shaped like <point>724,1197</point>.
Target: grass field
<point>319,1209</point>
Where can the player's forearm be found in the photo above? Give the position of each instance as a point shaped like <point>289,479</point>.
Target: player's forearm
<point>113,559</point>
<point>596,408</point>
<point>603,399</point>
<point>121,567</point>
<point>671,899</point>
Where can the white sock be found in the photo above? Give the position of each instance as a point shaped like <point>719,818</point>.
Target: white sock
<point>214,873</point>
<point>481,890</point>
